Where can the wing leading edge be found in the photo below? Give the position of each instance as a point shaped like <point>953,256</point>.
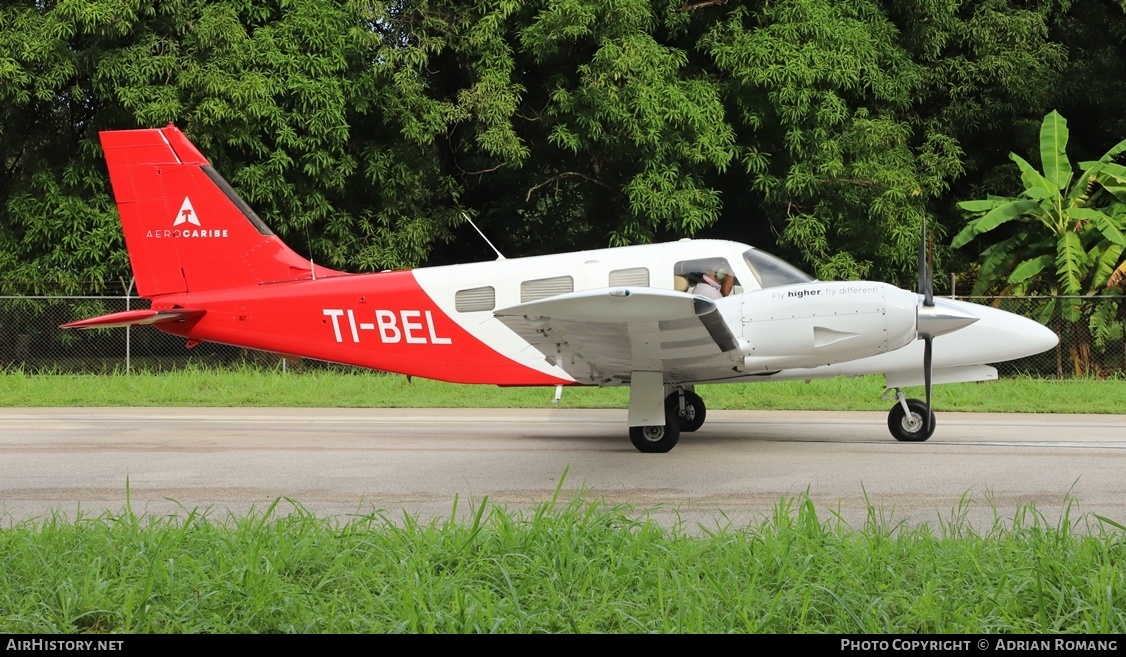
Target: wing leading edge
<point>602,336</point>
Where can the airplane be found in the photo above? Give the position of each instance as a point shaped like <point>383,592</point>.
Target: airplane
<point>659,318</point>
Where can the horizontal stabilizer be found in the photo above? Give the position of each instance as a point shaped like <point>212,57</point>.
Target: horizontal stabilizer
<point>136,318</point>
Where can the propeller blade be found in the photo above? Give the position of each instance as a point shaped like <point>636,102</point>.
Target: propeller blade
<point>922,283</point>
<point>926,285</point>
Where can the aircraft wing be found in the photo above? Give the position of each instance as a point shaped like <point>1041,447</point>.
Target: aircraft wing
<point>601,336</point>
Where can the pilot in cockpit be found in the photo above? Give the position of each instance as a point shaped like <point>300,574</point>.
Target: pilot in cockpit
<point>707,277</point>
<point>715,283</point>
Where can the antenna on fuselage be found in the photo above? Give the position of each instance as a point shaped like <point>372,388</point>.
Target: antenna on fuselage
<point>499,255</point>
<point>312,266</point>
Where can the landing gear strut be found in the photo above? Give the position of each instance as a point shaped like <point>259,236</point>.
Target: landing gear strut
<point>907,420</point>
<point>687,407</point>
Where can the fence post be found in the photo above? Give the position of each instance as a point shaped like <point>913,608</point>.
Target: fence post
<point>128,290</point>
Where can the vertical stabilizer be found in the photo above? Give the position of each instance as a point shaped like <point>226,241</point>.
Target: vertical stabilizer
<point>185,228</point>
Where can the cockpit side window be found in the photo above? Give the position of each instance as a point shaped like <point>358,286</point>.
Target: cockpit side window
<point>709,277</point>
<point>772,271</point>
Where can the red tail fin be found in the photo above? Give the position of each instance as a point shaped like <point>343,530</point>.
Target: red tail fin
<point>185,228</point>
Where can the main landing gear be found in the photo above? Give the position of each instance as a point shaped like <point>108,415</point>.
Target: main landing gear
<point>907,420</point>
<point>656,439</point>
<point>684,410</point>
<point>688,408</point>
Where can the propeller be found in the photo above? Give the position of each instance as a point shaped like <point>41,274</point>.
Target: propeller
<point>934,318</point>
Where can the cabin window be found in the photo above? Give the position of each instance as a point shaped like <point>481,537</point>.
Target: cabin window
<point>636,276</point>
<point>709,277</point>
<point>475,299</point>
<point>546,287</point>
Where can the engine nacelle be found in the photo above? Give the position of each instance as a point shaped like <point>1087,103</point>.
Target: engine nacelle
<point>821,323</point>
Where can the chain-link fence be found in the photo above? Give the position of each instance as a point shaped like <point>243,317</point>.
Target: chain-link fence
<point>30,339</point>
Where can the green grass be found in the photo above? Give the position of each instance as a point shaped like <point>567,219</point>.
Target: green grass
<point>575,567</point>
<point>361,389</point>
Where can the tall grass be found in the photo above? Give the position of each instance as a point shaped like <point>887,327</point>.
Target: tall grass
<point>579,566</point>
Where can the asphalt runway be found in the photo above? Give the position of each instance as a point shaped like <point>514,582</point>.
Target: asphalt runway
<point>341,463</point>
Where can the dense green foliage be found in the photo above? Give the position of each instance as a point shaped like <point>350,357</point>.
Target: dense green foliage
<point>1072,232</point>
<point>1065,237</point>
<point>361,131</point>
<point>564,567</point>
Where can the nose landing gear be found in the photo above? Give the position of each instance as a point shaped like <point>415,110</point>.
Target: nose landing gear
<point>908,419</point>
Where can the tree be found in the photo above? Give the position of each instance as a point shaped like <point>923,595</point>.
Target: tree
<point>615,134</point>
<point>314,110</point>
<point>1065,237</point>
<point>362,130</point>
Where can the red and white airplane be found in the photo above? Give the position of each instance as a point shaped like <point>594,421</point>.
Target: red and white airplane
<point>659,318</point>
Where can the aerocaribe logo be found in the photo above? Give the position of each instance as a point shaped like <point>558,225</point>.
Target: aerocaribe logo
<point>186,215</point>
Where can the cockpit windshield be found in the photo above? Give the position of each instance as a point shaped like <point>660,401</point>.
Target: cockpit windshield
<point>772,271</point>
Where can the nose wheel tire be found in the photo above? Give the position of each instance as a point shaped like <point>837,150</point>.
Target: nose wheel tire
<point>656,439</point>
<point>911,427</point>
<point>694,411</point>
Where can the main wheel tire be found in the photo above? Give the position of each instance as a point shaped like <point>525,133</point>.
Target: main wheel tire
<point>910,427</point>
<point>656,439</point>
<point>694,410</point>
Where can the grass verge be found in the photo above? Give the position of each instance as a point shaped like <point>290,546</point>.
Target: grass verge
<point>574,567</point>
<point>362,389</point>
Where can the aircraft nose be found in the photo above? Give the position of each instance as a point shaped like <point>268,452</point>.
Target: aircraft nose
<point>996,337</point>
<point>1016,336</point>
<point>1039,337</point>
